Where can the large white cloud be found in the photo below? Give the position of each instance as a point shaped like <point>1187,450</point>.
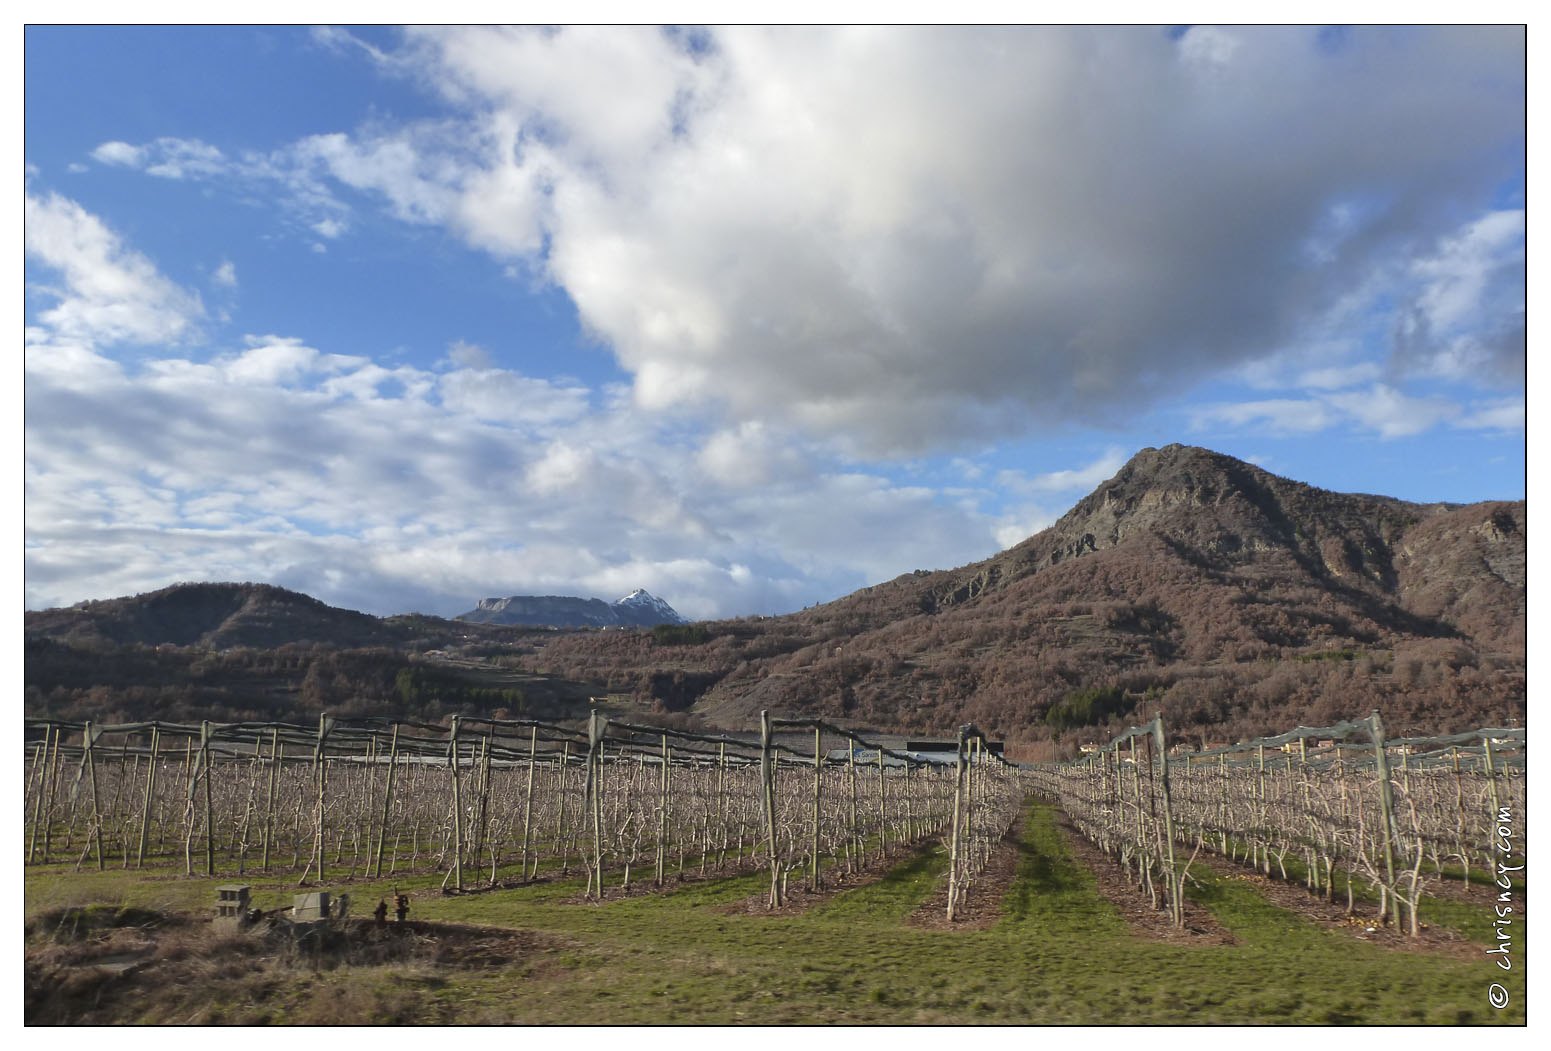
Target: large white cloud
<point>906,238</point>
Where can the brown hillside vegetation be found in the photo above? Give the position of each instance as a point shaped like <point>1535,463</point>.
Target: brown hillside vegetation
<point>1233,601</point>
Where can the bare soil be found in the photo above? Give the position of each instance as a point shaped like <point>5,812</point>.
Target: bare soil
<point>1114,886</point>
<point>1332,915</point>
<point>981,908</point>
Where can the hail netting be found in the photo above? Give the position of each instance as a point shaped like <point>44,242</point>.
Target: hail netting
<point>1332,806</point>
<point>487,801</point>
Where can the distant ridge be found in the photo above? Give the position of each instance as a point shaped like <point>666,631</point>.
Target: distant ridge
<point>216,616</point>
<point>639,609</point>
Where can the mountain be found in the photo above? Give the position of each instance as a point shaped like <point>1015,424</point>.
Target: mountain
<point>1233,601</point>
<point>216,616</point>
<point>639,609</point>
<point>1191,583</point>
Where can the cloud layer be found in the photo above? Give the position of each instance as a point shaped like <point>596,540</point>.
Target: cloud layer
<point>909,239</point>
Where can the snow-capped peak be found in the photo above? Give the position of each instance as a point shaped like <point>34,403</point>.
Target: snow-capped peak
<point>642,599</point>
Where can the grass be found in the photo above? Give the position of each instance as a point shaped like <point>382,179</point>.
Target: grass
<point>1060,954</point>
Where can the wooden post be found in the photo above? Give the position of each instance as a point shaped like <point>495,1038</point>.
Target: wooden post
<point>1387,802</point>
<point>818,773</point>
<point>457,808</point>
<point>150,791</point>
<point>662,815</point>
<point>204,760</point>
<point>592,798</point>
<point>1491,795</point>
<point>883,810</point>
<point>276,751</point>
<point>721,802</point>
<point>953,838</point>
<point>560,790</point>
<point>484,799</point>
<point>320,776</point>
<point>37,803</point>
<point>91,772</point>
<point>527,803</point>
<point>856,836</point>
<point>387,798</point>
<point>1176,885</point>
<point>767,778</point>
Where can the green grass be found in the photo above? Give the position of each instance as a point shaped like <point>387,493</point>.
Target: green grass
<point>1059,954</point>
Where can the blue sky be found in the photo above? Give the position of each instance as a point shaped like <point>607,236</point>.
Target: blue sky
<point>749,318</point>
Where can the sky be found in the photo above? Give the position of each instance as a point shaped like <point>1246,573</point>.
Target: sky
<point>750,318</point>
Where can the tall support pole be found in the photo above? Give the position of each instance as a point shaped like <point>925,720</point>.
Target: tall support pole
<point>40,769</point>
<point>53,790</point>
<point>592,799</point>
<point>320,770</point>
<point>818,774</point>
<point>387,799</point>
<point>457,807</point>
<point>856,835</point>
<point>527,802</point>
<point>767,778</point>
<point>1387,802</point>
<point>883,809</point>
<point>150,793</point>
<point>484,800</point>
<point>49,741</point>
<point>1176,885</point>
<point>721,801</point>
<point>662,815</point>
<point>204,763</point>
<point>560,789</point>
<point>956,824</point>
<point>1491,797</point>
<point>276,754</point>
<point>91,773</point>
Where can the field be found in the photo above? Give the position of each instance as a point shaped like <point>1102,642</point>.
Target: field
<point>1047,938</point>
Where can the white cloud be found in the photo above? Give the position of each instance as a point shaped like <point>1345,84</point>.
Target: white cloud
<point>1506,415</point>
<point>802,227</point>
<point>904,241</point>
<point>109,293</point>
<point>167,158</point>
<point>121,153</point>
<point>1392,413</point>
<point>1278,415</point>
<point>1466,321</point>
<point>225,275</point>
<point>1075,480</point>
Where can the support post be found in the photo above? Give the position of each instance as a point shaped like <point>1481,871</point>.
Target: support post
<point>527,803</point>
<point>150,792</point>
<point>387,799</point>
<point>818,773</point>
<point>276,752</point>
<point>1176,884</point>
<point>457,808</point>
<point>957,821</point>
<point>204,763</point>
<point>91,773</point>
<point>1387,802</point>
<point>767,779</point>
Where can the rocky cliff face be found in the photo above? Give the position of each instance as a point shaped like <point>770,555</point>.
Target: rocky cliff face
<point>639,609</point>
